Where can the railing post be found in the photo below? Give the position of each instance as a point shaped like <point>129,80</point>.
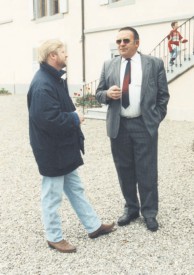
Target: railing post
<point>193,35</point>
<point>189,38</point>
<point>185,44</point>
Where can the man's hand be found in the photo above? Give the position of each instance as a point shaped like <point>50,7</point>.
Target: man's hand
<point>114,92</point>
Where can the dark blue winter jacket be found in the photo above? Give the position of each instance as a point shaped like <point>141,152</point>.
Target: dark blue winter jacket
<point>55,134</point>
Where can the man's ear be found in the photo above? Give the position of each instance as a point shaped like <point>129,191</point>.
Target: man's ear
<point>52,55</point>
<point>137,42</point>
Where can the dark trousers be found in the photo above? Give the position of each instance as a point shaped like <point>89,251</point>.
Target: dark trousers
<point>135,156</point>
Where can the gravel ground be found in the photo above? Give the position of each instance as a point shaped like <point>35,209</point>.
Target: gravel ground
<point>132,249</point>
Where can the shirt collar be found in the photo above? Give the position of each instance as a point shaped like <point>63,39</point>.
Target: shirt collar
<point>135,58</point>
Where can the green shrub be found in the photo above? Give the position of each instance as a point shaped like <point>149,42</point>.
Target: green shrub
<point>4,92</point>
<point>87,100</point>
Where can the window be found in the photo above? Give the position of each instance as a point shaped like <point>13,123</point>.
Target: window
<point>47,8</point>
<point>42,8</point>
<point>54,6</point>
<point>35,64</point>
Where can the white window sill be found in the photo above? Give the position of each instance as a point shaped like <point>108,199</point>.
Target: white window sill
<point>121,3</point>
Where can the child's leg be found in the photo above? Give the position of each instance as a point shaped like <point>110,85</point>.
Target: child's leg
<point>169,46</point>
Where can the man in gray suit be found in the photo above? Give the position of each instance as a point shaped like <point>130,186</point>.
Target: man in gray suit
<point>135,111</point>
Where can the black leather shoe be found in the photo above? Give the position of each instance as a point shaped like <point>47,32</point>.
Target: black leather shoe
<point>127,218</point>
<point>151,224</point>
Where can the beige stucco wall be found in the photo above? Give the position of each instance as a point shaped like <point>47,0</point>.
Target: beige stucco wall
<point>142,10</point>
<point>19,37</point>
<point>181,104</point>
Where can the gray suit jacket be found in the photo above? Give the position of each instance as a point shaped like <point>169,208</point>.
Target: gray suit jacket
<point>154,93</point>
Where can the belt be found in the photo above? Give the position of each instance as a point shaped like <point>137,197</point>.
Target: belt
<point>127,117</point>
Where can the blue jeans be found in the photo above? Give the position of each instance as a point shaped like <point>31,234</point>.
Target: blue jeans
<point>51,198</point>
<point>175,52</point>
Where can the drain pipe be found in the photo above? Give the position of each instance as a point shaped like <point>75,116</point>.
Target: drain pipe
<point>83,49</point>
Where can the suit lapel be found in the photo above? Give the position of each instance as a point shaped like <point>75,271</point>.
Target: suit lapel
<point>116,71</point>
<point>145,74</point>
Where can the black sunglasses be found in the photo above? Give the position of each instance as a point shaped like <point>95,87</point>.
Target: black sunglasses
<point>125,41</point>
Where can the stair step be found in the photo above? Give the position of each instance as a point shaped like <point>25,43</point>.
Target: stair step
<point>96,113</point>
<point>176,71</point>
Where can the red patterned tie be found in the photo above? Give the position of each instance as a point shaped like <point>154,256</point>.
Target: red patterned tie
<point>126,82</point>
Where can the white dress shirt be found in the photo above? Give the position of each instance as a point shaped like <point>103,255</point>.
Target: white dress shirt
<point>134,109</point>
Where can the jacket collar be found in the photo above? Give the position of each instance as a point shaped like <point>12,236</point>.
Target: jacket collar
<point>57,74</point>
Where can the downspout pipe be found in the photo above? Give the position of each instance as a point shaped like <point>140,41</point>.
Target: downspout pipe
<point>83,48</point>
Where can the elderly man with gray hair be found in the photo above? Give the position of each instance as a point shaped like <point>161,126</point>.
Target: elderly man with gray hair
<point>56,139</point>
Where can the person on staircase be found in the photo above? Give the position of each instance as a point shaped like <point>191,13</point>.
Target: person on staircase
<point>174,40</point>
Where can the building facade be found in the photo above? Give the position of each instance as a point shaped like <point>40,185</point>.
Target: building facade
<point>87,27</point>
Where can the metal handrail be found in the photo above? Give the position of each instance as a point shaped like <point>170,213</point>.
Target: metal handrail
<point>185,50</point>
<point>86,98</point>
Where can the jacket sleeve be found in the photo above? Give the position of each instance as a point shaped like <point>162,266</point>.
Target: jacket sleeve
<point>46,113</point>
<point>103,87</point>
<point>163,93</point>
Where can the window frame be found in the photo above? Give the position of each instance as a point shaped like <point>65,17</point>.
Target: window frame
<point>47,9</point>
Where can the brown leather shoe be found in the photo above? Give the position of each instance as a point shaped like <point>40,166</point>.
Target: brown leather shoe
<point>102,230</point>
<point>62,246</point>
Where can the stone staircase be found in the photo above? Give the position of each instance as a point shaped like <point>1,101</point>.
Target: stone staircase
<point>178,70</point>
<point>96,113</point>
